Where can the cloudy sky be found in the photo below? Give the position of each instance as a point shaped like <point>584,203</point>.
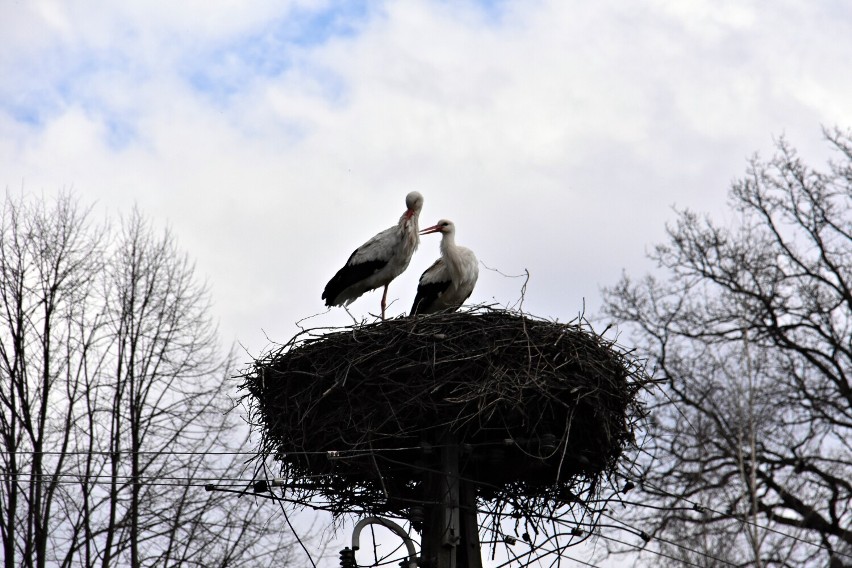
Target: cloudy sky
<point>275,137</point>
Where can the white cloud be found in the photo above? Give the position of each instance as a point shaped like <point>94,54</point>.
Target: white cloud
<point>556,134</point>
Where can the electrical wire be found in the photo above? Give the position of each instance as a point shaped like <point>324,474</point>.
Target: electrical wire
<point>699,506</point>
<point>246,484</point>
<point>683,561</point>
<point>559,550</point>
<point>180,481</point>
<point>641,534</point>
<point>331,453</point>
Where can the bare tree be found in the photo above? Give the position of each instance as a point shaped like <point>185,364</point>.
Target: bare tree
<point>750,453</point>
<point>115,407</point>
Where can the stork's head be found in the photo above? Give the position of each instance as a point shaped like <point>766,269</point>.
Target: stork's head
<point>443,226</point>
<point>413,203</point>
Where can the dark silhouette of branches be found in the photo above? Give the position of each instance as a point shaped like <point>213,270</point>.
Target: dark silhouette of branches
<point>751,326</point>
<point>111,378</point>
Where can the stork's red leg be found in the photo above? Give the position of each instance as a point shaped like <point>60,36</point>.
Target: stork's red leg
<point>384,300</point>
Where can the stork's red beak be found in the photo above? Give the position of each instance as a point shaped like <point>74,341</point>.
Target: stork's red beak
<point>409,213</point>
<point>432,229</point>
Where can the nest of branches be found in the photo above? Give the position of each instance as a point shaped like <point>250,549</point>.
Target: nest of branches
<point>538,411</point>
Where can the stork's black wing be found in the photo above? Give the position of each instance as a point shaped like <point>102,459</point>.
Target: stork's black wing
<point>426,296</point>
<point>347,276</point>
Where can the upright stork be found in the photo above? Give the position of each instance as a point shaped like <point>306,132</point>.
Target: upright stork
<point>379,260</point>
<point>446,284</point>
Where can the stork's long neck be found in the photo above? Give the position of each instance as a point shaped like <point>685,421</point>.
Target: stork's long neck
<point>449,251</point>
<point>410,230</point>
<point>448,244</point>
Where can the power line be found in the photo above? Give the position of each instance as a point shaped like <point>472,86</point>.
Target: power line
<point>154,480</point>
<point>577,560</point>
<point>644,536</point>
<point>248,483</point>
<point>700,507</point>
<point>656,552</point>
<point>559,550</point>
<point>331,453</point>
<point>131,452</point>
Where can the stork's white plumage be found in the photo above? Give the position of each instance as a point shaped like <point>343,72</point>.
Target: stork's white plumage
<point>379,260</point>
<point>446,284</point>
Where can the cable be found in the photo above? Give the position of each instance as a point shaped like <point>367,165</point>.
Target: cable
<point>657,552</point>
<point>577,560</point>
<point>540,548</point>
<point>694,505</point>
<point>698,507</point>
<point>295,534</point>
<point>331,453</point>
<point>152,452</point>
<point>177,481</point>
<point>559,550</point>
<point>641,534</point>
<point>246,483</point>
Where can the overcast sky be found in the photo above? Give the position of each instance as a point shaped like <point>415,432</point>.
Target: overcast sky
<point>275,137</point>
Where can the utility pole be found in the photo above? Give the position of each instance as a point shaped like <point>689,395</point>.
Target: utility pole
<point>450,536</point>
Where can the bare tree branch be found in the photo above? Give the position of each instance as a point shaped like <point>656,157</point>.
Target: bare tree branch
<point>752,328</point>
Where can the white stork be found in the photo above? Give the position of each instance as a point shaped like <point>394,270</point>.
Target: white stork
<point>379,260</point>
<point>450,280</point>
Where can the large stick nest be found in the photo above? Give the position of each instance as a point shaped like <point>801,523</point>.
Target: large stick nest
<point>357,415</point>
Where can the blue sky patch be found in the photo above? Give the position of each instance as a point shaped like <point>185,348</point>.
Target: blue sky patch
<point>492,9</point>
<point>27,109</point>
<point>58,79</point>
<point>120,128</point>
<point>228,68</point>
